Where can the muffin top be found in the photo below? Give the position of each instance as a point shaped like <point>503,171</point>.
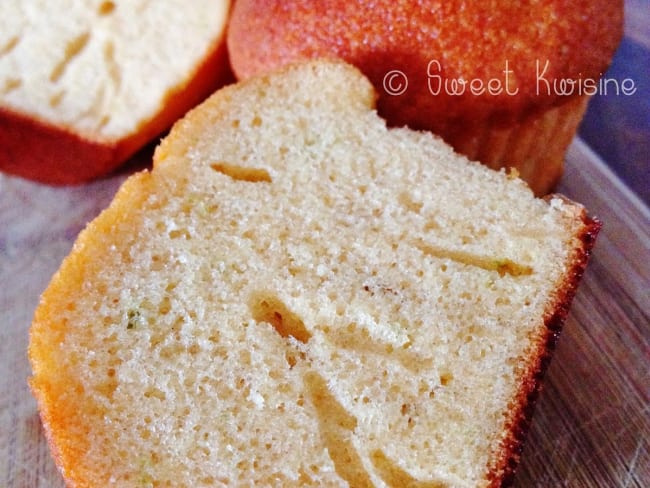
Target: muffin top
<point>461,58</point>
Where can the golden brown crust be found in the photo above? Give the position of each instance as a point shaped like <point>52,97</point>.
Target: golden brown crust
<point>58,155</point>
<point>504,463</point>
<point>42,152</point>
<point>62,447</point>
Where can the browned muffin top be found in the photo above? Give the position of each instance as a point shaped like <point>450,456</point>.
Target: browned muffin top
<point>436,44</point>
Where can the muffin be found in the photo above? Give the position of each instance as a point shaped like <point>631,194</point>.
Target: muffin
<point>506,85</point>
<point>83,88</point>
<point>296,295</point>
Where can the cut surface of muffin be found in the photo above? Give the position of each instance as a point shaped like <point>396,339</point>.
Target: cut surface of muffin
<point>296,295</point>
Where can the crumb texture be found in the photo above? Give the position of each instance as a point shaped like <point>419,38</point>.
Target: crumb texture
<point>298,296</point>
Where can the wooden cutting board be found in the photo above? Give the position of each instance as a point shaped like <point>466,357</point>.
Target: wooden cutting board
<point>592,424</point>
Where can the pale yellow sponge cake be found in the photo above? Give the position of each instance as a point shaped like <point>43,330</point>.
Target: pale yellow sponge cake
<point>296,295</point>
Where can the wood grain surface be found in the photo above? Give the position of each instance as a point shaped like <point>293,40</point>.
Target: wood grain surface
<point>592,424</point>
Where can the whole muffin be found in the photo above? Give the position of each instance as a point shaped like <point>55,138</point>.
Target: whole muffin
<point>505,83</point>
